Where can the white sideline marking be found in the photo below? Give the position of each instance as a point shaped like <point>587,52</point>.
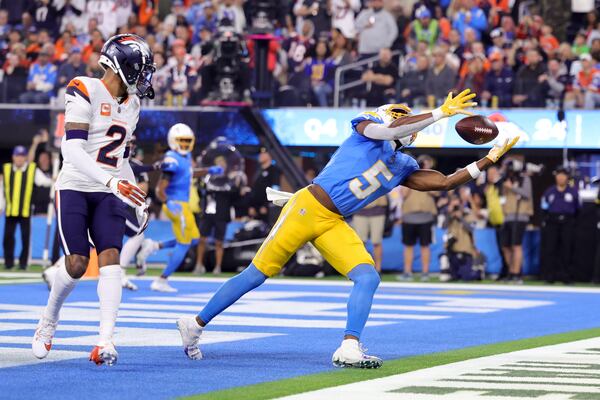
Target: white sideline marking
<point>17,357</point>
<point>474,387</point>
<point>126,336</point>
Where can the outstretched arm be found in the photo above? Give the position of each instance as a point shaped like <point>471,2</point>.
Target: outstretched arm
<point>406,126</point>
<point>426,180</point>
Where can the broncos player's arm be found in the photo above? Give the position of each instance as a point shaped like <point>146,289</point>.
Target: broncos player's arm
<point>426,180</point>
<point>74,152</point>
<point>76,135</point>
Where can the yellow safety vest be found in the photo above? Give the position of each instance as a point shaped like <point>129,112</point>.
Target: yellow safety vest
<point>18,187</point>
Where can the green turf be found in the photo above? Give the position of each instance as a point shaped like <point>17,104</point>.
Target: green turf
<point>307,383</point>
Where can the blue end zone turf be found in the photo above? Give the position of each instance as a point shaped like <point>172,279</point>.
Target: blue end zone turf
<point>283,329</point>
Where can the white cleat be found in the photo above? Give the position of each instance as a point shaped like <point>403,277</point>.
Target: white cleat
<point>127,284</point>
<point>190,336</point>
<point>162,285</point>
<point>351,354</point>
<point>104,354</point>
<point>149,246</point>
<point>42,338</point>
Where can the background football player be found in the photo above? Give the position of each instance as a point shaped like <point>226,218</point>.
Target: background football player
<point>365,167</point>
<point>96,181</point>
<point>173,189</point>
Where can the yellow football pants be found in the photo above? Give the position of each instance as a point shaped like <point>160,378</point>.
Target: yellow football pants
<point>302,220</point>
<point>183,224</point>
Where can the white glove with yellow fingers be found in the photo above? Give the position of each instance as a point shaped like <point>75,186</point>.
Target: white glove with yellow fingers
<point>500,149</point>
<point>455,105</point>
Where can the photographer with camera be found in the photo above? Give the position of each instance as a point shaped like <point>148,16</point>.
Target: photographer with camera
<point>560,204</point>
<point>226,76</point>
<point>461,261</point>
<point>517,207</point>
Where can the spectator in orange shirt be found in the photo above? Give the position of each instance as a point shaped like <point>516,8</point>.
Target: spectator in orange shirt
<point>547,40</point>
<point>94,46</point>
<point>64,45</point>
<point>145,10</point>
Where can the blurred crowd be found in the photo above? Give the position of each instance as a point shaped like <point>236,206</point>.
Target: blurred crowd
<point>512,53</point>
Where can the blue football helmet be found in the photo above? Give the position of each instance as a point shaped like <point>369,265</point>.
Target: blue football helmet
<point>130,57</point>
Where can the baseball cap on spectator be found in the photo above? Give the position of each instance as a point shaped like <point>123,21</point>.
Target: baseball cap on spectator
<point>75,49</point>
<point>177,3</point>
<point>19,151</point>
<point>585,57</point>
<point>32,29</point>
<point>423,12</point>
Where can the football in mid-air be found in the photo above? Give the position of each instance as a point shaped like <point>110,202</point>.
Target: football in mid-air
<point>477,129</point>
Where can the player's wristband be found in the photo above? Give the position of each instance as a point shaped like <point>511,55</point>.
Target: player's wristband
<point>474,170</point>
<point>437,114</point>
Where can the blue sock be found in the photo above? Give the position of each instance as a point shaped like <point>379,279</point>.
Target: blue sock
<point>167,244</point>
<point>366,280</point>
<point>176,258</point>
<point>231,291</point>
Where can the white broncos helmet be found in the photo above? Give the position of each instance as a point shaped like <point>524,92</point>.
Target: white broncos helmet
<point>391,112</point>
<point>181,138</point>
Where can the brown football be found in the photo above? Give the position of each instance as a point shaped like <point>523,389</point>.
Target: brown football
<point>477,129</point>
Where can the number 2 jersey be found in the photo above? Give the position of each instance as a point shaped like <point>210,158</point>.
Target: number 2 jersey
<point>363,169</point>
<point>111,127</point>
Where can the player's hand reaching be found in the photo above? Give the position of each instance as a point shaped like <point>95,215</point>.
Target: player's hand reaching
<point>458,104</point>
<point>128,192</point>
<point>500,149</point>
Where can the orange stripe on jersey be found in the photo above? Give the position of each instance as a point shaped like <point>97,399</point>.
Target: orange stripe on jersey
<point>77,87</point>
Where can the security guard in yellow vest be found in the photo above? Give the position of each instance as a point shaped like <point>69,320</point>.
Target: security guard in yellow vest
<point>18,180</point>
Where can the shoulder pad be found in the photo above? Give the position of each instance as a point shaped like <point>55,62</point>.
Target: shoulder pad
<point>78,87</point>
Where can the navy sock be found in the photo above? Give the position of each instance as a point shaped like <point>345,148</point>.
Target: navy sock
<point>366,280</point>
<point>176,259</point>
<point>231,291</point>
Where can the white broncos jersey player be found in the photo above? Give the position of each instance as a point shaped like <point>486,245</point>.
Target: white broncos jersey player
<point>111,127</point>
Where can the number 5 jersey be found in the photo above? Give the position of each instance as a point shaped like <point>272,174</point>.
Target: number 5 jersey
<point>111,127</point>
<point>363,169</point>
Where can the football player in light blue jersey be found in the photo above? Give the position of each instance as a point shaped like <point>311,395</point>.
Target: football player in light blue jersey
<point>366,166</point>
<point>173,190</point>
